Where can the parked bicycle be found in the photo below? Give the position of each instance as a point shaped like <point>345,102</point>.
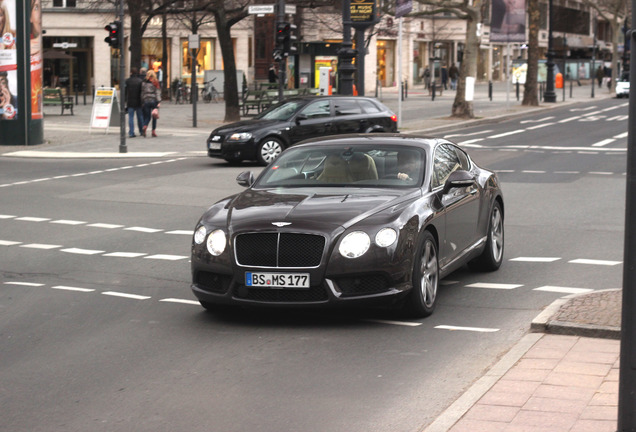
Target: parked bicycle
<point>183,93</point>
<point>209,92</point>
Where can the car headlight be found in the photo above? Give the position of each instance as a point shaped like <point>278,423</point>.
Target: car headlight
<point>240,136</point>
<point>216,242</point>
<point>199,235</point>
<point>385,237</point>
<point>354,244</point>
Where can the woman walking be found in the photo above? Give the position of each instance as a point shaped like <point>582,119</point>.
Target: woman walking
<point>151,98</point>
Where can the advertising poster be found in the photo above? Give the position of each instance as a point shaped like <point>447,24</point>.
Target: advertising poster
<point>36,59</point>
<point>8,61</point>
<point>508,21</point>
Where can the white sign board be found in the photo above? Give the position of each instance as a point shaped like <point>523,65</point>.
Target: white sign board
<point>260,9</point>
<point>104,106</point>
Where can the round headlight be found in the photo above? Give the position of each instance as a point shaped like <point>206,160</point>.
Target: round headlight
<point>354,244</point>
<point>216,242</point>
<point>199,235</point>
<point>385,237</point>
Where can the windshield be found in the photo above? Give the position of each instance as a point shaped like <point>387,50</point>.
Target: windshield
<point>351,165</point>
<point>281,111</point>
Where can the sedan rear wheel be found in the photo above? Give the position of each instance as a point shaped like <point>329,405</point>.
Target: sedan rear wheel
<point>492,256</point>
<point>423,298</point>
<point>268,150</point>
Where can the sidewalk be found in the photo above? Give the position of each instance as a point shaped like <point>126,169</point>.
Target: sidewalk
<point>561,377</point>
<point>70,136</point>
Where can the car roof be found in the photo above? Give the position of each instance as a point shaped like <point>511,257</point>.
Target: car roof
<point>380,138</point>
<point>316,97</point>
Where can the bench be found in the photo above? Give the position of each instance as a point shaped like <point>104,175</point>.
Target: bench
<point>54,96</point>
<point>257,100</point>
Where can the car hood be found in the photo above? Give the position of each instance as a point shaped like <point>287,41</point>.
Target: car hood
<point>246,126</point>
<point>322,209</point>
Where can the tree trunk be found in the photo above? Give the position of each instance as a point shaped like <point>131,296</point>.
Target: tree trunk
<point>530,96</point>
<point>461,107</point>
<point>230,87</point>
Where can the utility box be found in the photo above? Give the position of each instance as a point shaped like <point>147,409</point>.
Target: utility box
<point>324,81</point>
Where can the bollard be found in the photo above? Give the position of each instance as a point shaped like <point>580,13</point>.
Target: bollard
<point>76,95</point>
<point>84,86</point>
<point>490,90</point>
<point>433,92</point>
<point>517,86</point>
<point>570,89</point>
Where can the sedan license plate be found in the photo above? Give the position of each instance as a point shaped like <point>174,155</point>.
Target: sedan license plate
<point>277,280</point>
<point>215,146</point>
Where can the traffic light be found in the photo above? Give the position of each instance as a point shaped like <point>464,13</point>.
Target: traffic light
<point>278,55</point>
<point>114,34</point>
<point>289,46</point>
<point>282,33</point>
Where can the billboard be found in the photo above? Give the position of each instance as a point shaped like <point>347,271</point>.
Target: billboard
<point>508,21</point>
<point>36,59</point>
<point>8,61</point>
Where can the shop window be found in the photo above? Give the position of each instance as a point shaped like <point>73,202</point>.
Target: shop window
<point>152,55</point>
<point>204,60</point>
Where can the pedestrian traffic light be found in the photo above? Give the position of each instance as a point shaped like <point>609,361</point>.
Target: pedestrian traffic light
<point>114,33</point>
<point>278,55</point>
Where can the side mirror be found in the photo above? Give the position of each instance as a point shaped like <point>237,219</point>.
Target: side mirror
<point>300,117</point>
<point>459,178</point>
<point>245,179</point>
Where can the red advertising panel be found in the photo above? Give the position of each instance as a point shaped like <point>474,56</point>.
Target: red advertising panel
<point>8,61</point>
<point>36,59</point>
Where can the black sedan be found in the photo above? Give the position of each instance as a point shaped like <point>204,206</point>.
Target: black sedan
<point>264,137</point>
<point>356,219</point>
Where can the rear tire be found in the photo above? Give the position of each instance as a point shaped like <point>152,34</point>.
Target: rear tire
<point>422,300</point>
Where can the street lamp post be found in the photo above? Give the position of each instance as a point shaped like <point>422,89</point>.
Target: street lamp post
<point>550,95</point>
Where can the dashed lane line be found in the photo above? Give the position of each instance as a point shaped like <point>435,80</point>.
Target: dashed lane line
<point>126,295</point>
<point>470,329</point>
<point>563,290</point>
<point>535,259</point>
<point>499,286</point>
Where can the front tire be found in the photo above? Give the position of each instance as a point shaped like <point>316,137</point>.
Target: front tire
<point>268,150</point>
<point>492,256</point>
<point>423,297</point>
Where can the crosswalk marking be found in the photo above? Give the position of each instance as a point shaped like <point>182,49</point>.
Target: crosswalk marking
<point>595,262</point>
<point>535,259</point>
<point>494,286</point>
<point>563,290</point>
<point>472,329</point>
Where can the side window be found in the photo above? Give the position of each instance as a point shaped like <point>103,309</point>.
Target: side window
<point>347,107</point>
<point>317,109</point>
<point>368,106</point>
<point>464,161</point>
<point>445,162</point>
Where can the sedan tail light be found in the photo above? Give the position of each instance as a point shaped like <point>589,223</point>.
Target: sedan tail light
<point>394,118</point>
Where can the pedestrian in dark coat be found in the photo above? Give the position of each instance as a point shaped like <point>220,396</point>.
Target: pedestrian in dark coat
<point>133,102</point>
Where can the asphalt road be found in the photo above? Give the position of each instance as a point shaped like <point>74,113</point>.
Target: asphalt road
<point>99,330</point>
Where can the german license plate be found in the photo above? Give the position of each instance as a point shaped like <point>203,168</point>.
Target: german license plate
<point>215,146</point>
<point>277,280</point>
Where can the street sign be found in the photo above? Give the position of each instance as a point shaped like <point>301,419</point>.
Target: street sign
<point>260,9</point>
<point>105,108</point>
<point>65,45</point>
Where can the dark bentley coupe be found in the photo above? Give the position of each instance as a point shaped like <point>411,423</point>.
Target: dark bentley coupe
<point>355,219</point>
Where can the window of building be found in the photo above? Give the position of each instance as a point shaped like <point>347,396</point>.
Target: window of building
<point>203,61</point>
<point>64,3</point>
<point>152,56</point>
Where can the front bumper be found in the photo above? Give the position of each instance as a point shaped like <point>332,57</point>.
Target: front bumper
<point>232,150</point>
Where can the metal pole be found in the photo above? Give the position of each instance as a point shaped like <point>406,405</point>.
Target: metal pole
<point>399,71</point>
<point>280,17</point>
<point>346,53</point>
<point>550,95</point>
<point>194,87</point>
<point>122,77</point>
<point>359,35</point>
<point>594,59</point>
<point>565,67</point>
<point>627,375</point>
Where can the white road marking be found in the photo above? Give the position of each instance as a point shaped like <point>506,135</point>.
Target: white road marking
<point>569,119</point>
<point>69,288</point>
<point>468,134</point>
<point>125,295</point>
<point>471,142</point>
<point>9,243</point>
<point>541,126</point>
<point>603,142</point>
<point>181,232</point>
<point>183,301</point>
<point>31,284</point>
<point>620,136</point>
<point>32,219</point>
<point>567,172</point>
<point>82,251</point>
<point>563,290</point>
<point>494,286</point>
<point>399,323</point>
<point>143,229</point>
<point>532,172</point>
<point>125,254</point>
<point>536,121</point>
<point>535,259</point>
<point>601,173</point>
<point>68,222</point>
<point>7,216</point>
<point>505,134</point>
<point>584,109</point>
<point>41,246</point>
<point>595,262</point>
<point>166,257</point>
<point>473,329</point>
<point>104,225</point>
